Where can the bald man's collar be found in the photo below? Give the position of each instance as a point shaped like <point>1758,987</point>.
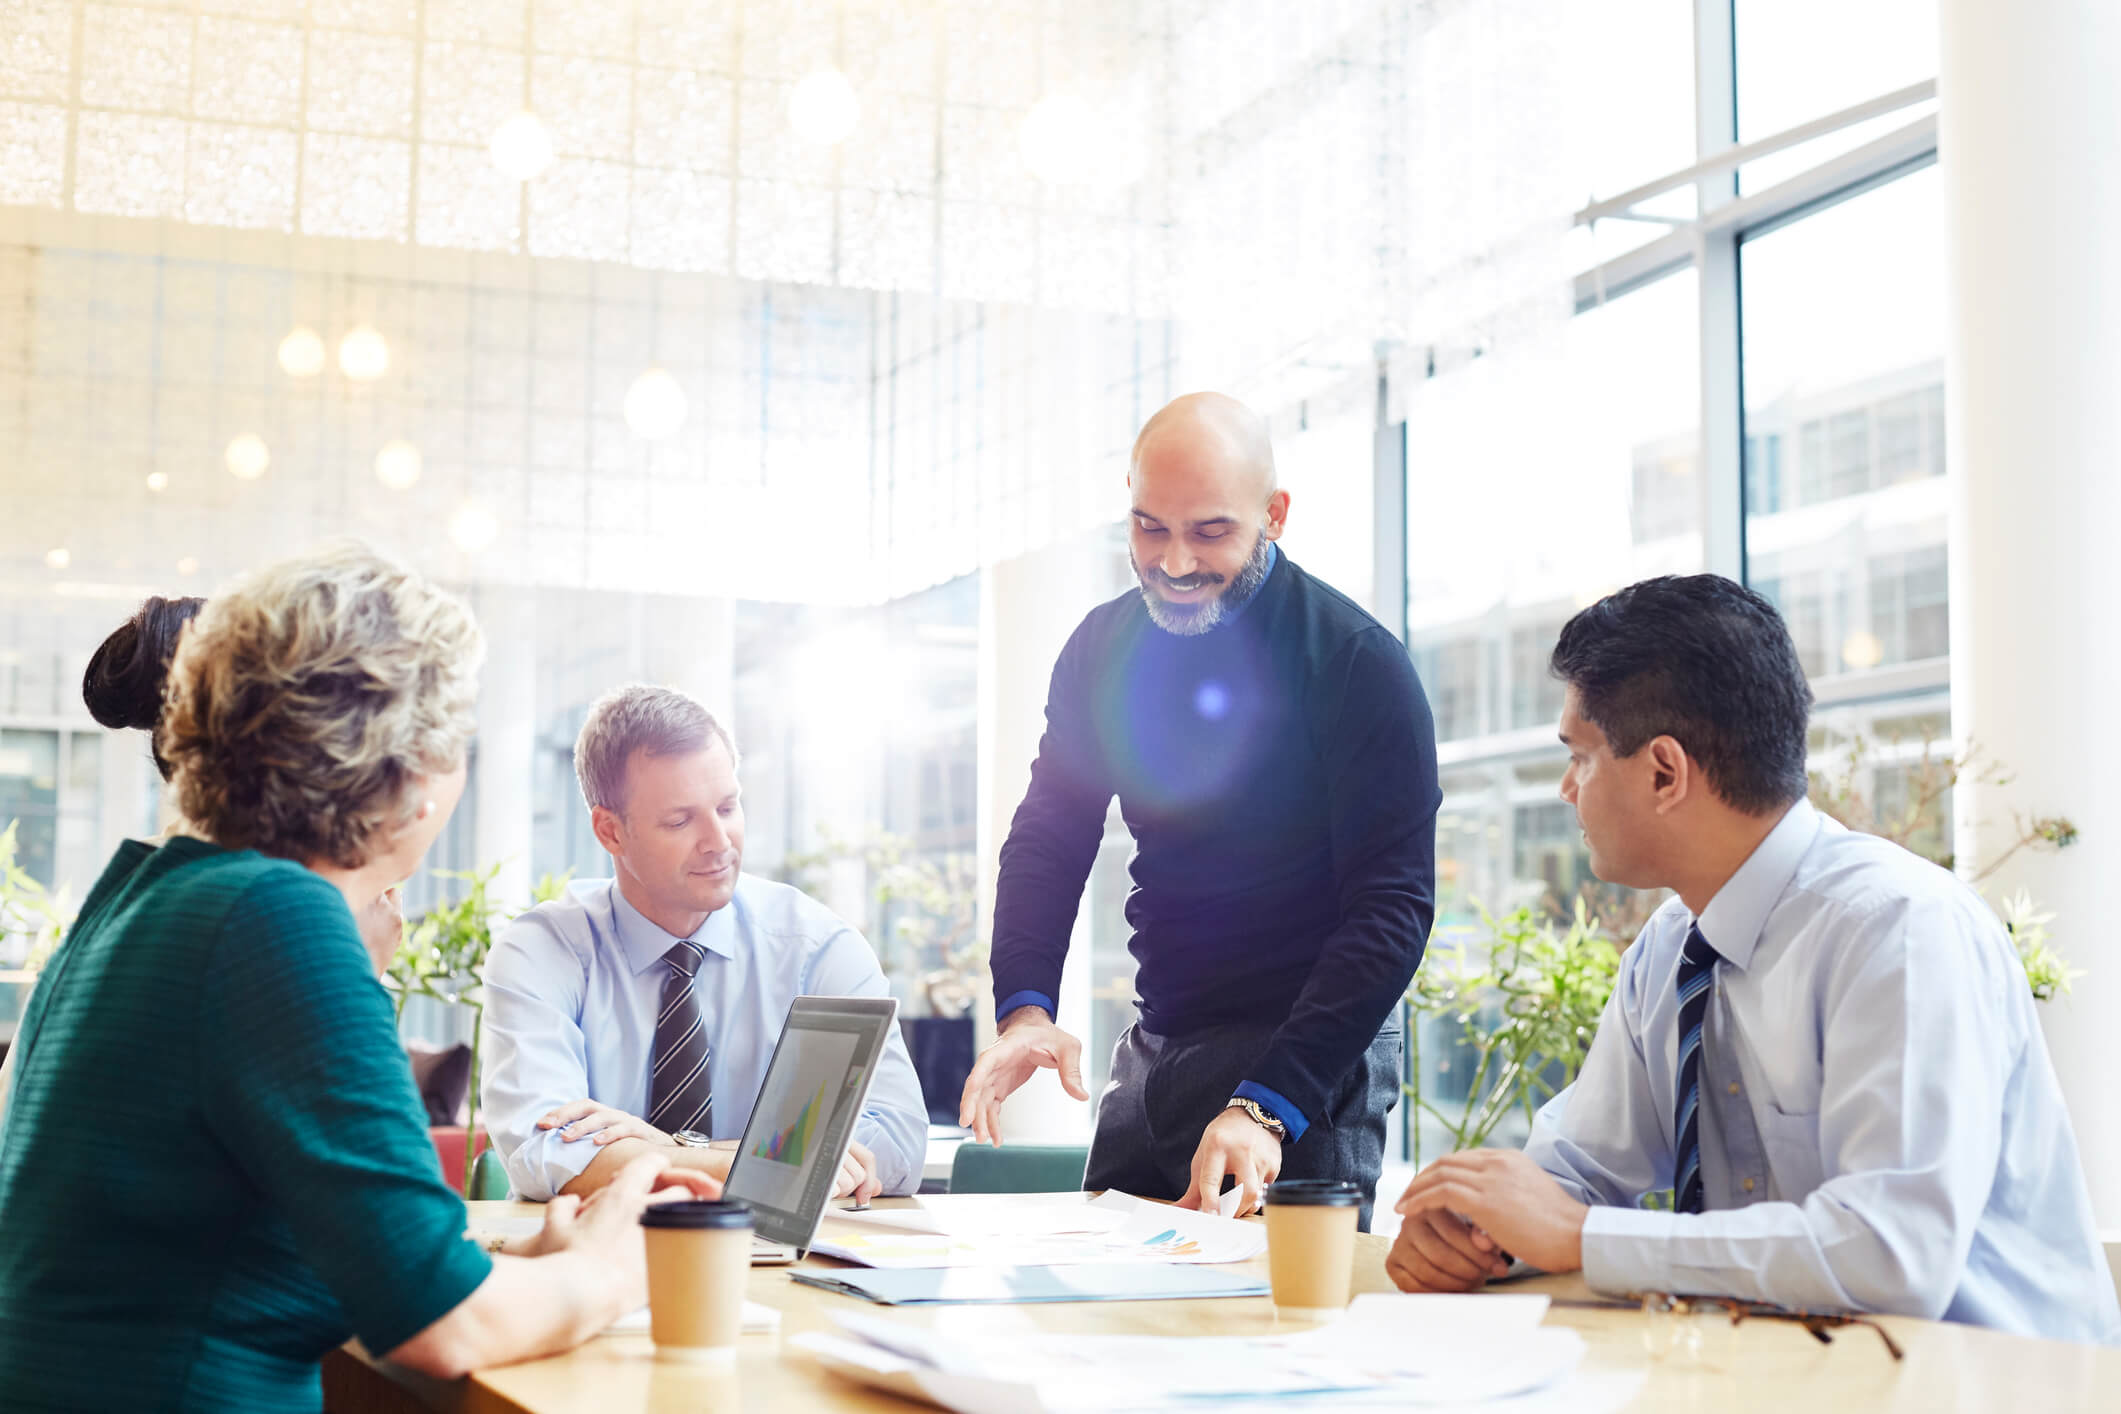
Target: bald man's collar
<point>1237,611</point>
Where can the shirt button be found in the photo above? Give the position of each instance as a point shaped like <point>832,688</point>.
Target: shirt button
<point>1749,1185</point>
<point>1734,1087</point>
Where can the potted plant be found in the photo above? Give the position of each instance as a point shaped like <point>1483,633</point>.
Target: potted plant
<point>32,919</point>
<point>443,957</point>
<point>1525,1006</point>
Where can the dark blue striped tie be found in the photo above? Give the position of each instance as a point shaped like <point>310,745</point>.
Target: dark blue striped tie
<point>1697,978</point>
<point>679,1095</point>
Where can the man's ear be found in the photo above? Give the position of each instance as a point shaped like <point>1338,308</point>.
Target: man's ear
<point>1277,514</point>
<point>1671,772</point>
<point>610,830</point>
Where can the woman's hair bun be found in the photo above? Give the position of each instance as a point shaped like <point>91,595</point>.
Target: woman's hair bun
<point>124,682</point>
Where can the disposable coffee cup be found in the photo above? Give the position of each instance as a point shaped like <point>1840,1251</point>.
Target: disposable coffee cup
<point>699,1259</point>
<point>1311,1246</point>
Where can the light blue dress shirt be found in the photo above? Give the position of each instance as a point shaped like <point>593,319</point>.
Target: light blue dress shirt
<point>572,990</point>
<point>1881,1127</point>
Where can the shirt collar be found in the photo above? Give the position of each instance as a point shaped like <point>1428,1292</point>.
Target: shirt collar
<point>645,944</point>
<point>1734,918</point>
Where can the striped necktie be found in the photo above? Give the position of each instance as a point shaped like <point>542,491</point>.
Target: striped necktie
<point>1697,978</point>
<point>679,1093</point>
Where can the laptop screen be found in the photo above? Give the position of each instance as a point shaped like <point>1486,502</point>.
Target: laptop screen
<point>790,1153</point>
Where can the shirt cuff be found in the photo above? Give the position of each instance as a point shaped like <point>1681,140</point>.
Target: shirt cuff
<point>1627,1251</point>
<point>1025,998</point>
<point>546,1163</point>
<point>1275,1104</point>
<point>898,1171</point>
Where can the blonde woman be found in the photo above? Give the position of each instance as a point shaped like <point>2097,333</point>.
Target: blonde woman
<point>123,689</point>
<point>215,1167</point>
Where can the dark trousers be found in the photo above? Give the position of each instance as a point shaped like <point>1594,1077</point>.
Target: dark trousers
<point>1163,1093</point>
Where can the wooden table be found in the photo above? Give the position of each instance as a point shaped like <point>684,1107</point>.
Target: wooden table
<point>1763,1365</point>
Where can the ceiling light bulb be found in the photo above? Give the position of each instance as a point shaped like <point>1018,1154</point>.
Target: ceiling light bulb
<point>522,147</point>
<point>473,527</point>
<point>655,405</point>
<point>158,481</point>
<point>823,107</point>
<point>398,465</point>
<point>302,352</point>
<point>364,354</point>
<point>188,565</point>
<point>1862,651</point>
<point>248,457</point>
<point>59,558</point>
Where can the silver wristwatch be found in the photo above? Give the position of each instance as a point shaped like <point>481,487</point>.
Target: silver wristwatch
<point>1261,1116</point>
<point>691,1139</point>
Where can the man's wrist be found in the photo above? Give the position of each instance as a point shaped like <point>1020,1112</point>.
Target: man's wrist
<point>1030,1014</point>
<point>1262,1116</point>
<point>1293,1120</point>
<point>1008,1004</point>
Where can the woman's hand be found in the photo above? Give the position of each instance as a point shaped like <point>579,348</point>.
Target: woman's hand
<point>572,1222</point>
<point>382,925</point>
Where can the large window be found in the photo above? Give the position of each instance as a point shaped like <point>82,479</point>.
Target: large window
<point>1760,398</point>
<point>1798,60</point>
<point>1844,411</point>
<point>1514,523</point>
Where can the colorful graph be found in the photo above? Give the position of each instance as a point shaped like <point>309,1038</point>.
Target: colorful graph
<point>789,1145</point>
<point>1170,1243</point>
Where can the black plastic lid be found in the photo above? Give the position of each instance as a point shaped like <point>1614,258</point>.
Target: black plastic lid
<point>1314,1193</point>
<point>696,1215</point>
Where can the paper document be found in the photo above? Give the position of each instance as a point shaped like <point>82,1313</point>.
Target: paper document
<point>1378,1356</point>
<point>991,1214</point>
<point>1025,1286</point>
<point>1037,1230</point>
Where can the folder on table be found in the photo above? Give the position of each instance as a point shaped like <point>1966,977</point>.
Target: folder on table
<point>1099,1281</point>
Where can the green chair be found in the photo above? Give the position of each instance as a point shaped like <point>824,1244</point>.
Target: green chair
<point>489,1176</point>
<point>1018,1168</point>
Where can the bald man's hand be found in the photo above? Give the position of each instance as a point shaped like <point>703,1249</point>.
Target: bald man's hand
<point>1029,1042</point>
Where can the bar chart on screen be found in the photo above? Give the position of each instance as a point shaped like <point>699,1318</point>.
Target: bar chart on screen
<point>791,1142</point>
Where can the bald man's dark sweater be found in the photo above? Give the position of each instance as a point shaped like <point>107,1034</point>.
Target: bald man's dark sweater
<point>1279,776</point>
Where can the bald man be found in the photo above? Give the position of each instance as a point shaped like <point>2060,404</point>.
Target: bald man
<point>1274,758</point>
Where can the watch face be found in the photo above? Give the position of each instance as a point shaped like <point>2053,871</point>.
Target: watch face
<point>692,1139</point>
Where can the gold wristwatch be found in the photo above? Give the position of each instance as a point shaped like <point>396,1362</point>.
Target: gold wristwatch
<point>1261,1116</point>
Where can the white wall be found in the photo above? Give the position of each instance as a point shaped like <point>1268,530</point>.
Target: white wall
<point>2030,144</point>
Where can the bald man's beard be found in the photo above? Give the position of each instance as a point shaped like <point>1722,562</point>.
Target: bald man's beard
<point>1189,620</point>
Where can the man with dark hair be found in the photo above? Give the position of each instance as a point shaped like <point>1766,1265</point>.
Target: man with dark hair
<point>1823,1047</point>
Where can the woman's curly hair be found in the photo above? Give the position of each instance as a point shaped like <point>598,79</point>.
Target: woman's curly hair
<point>305,701</point>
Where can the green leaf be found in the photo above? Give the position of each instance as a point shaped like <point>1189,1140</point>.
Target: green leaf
<point>1526,1001</point>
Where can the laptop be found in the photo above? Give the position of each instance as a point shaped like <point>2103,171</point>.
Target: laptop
<point>790,1154</point>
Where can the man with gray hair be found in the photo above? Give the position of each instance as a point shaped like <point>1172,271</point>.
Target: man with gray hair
<point>640,1012</point>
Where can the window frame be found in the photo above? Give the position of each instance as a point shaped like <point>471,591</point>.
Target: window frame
<point>1711,244</point>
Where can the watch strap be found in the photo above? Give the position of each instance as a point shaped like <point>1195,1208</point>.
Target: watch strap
<point>1262,1116</point>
